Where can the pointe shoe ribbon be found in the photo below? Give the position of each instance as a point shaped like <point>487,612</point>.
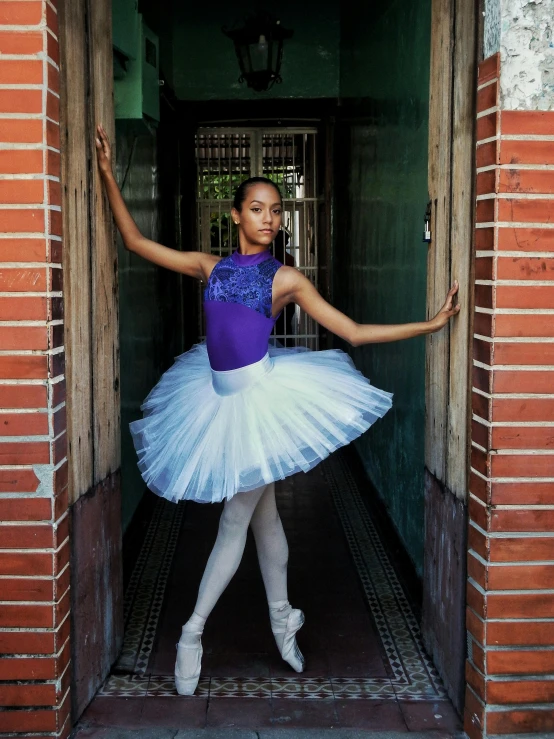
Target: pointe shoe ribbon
<point>187,685</point>
<point>289,650</point>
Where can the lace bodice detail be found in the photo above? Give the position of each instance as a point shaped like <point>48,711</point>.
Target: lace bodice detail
<point>248,285</point>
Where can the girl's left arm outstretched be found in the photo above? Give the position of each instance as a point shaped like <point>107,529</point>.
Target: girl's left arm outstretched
<point>300,290</point>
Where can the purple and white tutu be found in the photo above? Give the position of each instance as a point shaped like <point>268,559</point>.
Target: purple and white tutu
<point>207,435</point>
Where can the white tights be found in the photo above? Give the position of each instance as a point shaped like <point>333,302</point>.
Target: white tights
<point>258,509</point>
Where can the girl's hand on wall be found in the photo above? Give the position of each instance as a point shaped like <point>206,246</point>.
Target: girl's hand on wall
<point>103,150</point>
<point>447,311</point>
<point>290,286</point>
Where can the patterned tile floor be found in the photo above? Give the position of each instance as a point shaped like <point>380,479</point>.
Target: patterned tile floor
<point>366,665</point>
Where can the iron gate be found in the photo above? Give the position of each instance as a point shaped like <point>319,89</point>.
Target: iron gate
<point>288,156</point>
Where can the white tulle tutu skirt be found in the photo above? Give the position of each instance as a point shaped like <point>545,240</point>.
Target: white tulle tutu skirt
<point>208,435</point>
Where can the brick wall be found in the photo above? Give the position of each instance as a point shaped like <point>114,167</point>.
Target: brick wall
<point>34,545</point>
<point>510,595</point>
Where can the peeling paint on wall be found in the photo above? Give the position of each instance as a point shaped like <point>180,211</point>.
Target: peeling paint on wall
<point>527,55</point>
<point>45,475</point>
<point>491,28</point>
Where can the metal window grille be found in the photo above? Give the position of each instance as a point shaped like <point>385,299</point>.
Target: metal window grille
<point>288,156</point>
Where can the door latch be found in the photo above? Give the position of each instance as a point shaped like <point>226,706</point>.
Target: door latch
<point>427,226</point>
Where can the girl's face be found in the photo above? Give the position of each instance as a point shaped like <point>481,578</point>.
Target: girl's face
<point>260,217</point>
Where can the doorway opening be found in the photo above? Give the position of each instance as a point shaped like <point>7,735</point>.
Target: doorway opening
<point>347,568</point>
<point>355,231</point>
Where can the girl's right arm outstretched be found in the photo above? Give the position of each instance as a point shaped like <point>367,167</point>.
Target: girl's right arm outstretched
<point>192,263</point>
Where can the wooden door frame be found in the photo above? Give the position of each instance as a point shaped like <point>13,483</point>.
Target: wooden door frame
<point>90,288</point>
<point>91,338</point>
<point>454,51</point>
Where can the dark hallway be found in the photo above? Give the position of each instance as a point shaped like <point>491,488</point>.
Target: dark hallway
<point>366,667</point>
<point>350,157</point>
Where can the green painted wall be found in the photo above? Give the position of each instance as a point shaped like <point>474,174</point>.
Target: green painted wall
<point>380,260</point>
<point>204,62</point>
<point>150,327</point>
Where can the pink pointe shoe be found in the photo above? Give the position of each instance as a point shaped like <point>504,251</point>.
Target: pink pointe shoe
<point>285,622</point>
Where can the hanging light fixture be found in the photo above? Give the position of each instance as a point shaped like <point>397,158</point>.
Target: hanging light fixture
<point>259,49</point>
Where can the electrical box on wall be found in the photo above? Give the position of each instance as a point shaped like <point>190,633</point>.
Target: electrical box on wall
<point>136,84</point>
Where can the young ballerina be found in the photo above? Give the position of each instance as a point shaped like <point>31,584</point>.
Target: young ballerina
<point>233,414</point>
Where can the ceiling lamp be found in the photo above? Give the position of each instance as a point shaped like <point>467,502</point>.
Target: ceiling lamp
<point>259,49</point>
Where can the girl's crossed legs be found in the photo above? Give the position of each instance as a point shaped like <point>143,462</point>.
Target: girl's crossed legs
<point>258,509</point>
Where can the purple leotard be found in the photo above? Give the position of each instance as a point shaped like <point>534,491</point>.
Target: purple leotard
<point>237,305</point>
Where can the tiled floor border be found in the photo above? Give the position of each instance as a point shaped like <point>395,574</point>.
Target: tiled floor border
<point>311,688</point>
<point>414,677</point>
<point>146,589</point>
<point>414,673</point>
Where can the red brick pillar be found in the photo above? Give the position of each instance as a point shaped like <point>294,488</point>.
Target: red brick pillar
<point>34,546</point>
<point>510,615</point>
